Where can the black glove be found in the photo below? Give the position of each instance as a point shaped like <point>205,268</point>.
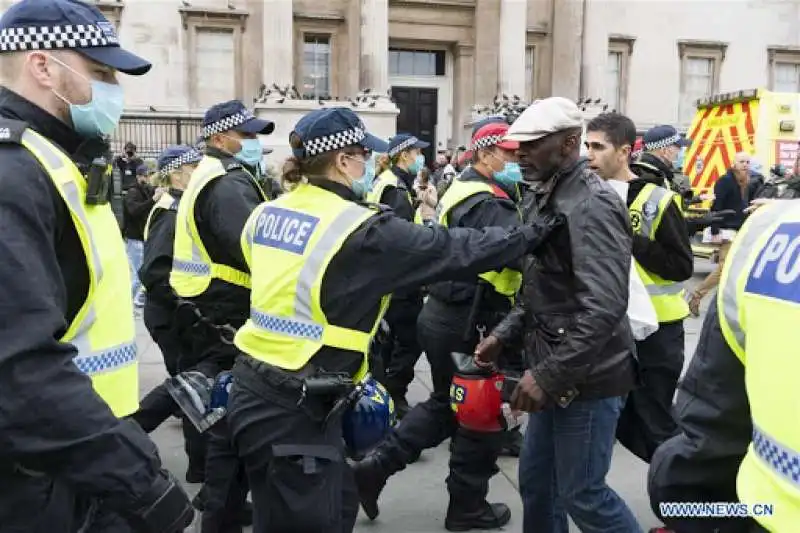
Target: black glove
<point>542,226</point>
<point>165,508</point>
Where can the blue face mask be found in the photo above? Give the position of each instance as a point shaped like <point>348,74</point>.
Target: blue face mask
<point>510,174</point>
<point>100,116</point>
<point>417,165</point>
<point>251,153</point>
<point>363,185</point>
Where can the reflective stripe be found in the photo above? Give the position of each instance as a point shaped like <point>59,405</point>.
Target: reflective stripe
<point>302,324</point>
<point>107,360</point>
<point>782,460</point>
<point>656,195</point>
<point>735,264</point>
<point>664,290</point>
<point>192,267</point>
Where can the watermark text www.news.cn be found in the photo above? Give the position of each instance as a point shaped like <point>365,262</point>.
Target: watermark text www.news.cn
<point>715,509</point>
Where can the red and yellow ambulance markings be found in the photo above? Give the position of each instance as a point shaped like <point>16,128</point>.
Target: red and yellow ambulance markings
<point>717,134</point>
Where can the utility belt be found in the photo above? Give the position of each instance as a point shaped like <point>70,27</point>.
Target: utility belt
<point>327,394</point>
<point>188,315</point>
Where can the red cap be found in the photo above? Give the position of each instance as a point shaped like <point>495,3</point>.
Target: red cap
<point>490,135</point>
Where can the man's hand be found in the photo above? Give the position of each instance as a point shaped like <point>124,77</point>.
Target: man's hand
<point>159,193</point>
<point>759,202</point>
<point>544,224</point>
<point>716,239</point>
<point>487,351</point>
<point>528,396</point>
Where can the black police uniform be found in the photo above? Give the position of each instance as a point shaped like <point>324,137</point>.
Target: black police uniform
<point>160,308</point>
<point>221,210</point>
<point>62,448</point>
<point>384,254</point>
<point>646,420</point>
<point>443,322</point>
<point>404,309</point>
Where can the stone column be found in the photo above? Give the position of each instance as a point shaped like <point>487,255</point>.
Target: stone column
<point>486,50</point>
<point>464,97</point>
<point>567,48</point>
<point>513,41</point>
<point>278,39</point>
<point>375,46</point>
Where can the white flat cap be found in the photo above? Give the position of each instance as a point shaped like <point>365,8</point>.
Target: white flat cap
<point>545,117</point>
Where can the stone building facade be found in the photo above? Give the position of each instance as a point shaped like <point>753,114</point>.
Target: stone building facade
<point>437,59</point>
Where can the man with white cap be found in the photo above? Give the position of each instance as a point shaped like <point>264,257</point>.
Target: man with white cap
<point>571,318</point>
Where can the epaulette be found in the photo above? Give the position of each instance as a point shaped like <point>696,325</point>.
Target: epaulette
<point>232,165</point>
<point>11,130</point>
<point>378,208</point>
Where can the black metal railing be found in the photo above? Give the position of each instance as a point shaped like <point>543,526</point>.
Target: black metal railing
<point>151,134</point>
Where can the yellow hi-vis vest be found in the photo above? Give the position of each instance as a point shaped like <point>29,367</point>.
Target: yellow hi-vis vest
<point>386,179</point>
<point>192,268</point>
<point>288,244</point>
<point>759,310</point>
<point>165,203</point>
<point>103,330</point>
<point>646,213</point>
<point>506,282</point>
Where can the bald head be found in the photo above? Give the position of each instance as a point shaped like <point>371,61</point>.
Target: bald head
<point>741,163</point>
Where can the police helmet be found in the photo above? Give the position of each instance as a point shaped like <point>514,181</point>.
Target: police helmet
<point>369,419</point>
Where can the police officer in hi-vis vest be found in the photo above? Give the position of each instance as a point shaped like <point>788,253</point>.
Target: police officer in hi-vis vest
<point>175,167</point>
<point>68,363</point>
<point>394,186</point>
<point>738,403</point>
<point>484,195</point>
<point>663,260</point>
<point>322,263</point>
<point>210,272</point>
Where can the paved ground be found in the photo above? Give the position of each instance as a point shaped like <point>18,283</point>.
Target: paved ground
<point>415,500</point>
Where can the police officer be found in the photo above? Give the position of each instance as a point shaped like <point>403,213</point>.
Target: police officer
<point>738,401</point>
<point>175,167</point>
<point>664,262</point>
<point>394,186</point>
<point>210,273</point>
<point>68,364</point>
<point>484,195</point>
<point>322,263</point>
<point>662,146</point>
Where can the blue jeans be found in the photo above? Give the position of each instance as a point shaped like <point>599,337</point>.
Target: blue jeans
<point>563,467</point>
<point>135,251</point>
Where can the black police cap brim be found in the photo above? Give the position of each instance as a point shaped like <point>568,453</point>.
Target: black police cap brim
<point>256,126</point>
<point>118,59</point>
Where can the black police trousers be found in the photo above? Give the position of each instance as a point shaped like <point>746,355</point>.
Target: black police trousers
<point>646,420</point>
<point>399,369</point>
<point>473,458</point>
<point>299,478</point>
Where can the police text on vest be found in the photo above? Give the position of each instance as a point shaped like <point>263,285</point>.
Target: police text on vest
<point>777,267</point>
<point>284,229</point>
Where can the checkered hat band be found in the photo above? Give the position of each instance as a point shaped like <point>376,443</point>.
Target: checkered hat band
<point>486,142</point>
<point>52,37</point>
<point>405,145</point>
<point>227,123</point>
<point>178,162</point>
<point>663,143</point>
<point>335,141</point>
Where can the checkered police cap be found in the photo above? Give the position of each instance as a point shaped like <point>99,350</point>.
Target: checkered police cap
<point>334,141</point>
<point>486,142</point>
<point>186,158</point>
<point>228,123</point>
<point>67,36</point>
<point>663,143</point>
<point>405,145</point>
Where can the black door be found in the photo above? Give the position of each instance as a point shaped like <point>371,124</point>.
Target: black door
<point>418,112</point>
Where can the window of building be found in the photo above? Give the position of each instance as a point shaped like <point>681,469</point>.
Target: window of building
<point>216,81</point>
<point>620,49</point>
<point>112,10</point>
<point>786,77</point>
<point>416,62</point>
<point>530,73</point>
<point>214,54</point>
<point>316,66</point>
<point>784,69</point>
<point>700,68</point>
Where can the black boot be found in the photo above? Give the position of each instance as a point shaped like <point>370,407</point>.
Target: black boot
<point>512,443</point>
<point>486,516</point>
<point>370,479</point>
